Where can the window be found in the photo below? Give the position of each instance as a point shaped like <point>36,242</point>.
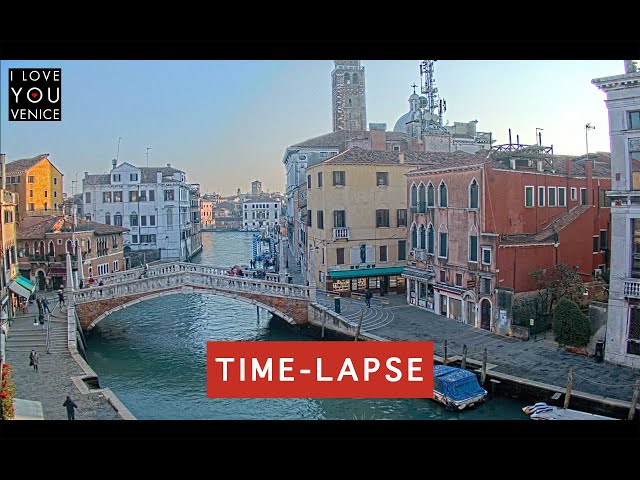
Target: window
<point>31,179</point>
<point>443,276</point>
<point>402,249</point>
<point>142,196</point>
<point>339,178</point>
<point>486,255</point>
<point>107,218</point>
<point>382,178</point>
<point>308,218</point>
<point>116,177</point>
<point>603,240</point>
<point>308,181</point>
<point>87,197</point>
<point>595,244</point>
<point>605,201</point>
<point>430,240</point>
<point>149,238</point>
<point>473,249</point>
<point>562,196</point>
<point>541,196</point>
<point>55,194</point>
<point>458,279</point>
<point>133,219</point>
<point>117,196</point>
<point>431,195</point>
<point>168,195</point>
<point>46,206</point>
<point>634,120</point>
<point>442,252</point>
<point>106,197</point>
<point>396,148</point>
<point>414,236</point>
<point>583,196</point>
<point>574,194</point>
<point>485,286</point>
<point>339,219</point>
<point>169,216</point>
<point>55,206</point>
<point>30,193</point>
<point>133,196</point>
<point>8,217</point>
<point>552,196</point>
<point>443,195</point>
<point>423,237</point>
<point>422,200</point>
<point>87,217</point>
<point>55,180</point>
<point>401,216</point>
<point>319,182</point>
<point>473,194</point>
<point>635,266</point>
<point>133,177</point>
<point>32,207</point>
<point>382,218</point>
<point>152,195</point>
<point>117,220</point>
<point>414,197</point>
<point>339,256</point>
<point>383,253</point>
<point>320,219</point>
<point>115,265</point>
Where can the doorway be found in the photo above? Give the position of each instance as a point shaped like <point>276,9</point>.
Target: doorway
<point>443,305</point>
<point>485,314</point>
<point>42,283</point>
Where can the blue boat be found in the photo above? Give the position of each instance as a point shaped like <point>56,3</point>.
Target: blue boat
<point>456,388</point>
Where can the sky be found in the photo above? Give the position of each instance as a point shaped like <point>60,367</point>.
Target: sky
<point>227,123</point>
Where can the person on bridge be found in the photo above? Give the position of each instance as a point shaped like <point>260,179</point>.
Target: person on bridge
<point>368,296</point>
<point>45,305</point>
<point>70,404</point>
<point>61,297</point>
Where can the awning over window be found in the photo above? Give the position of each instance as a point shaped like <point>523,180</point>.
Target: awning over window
<point>22,287</point>
<point>366,272</point>
<point>57,272</point>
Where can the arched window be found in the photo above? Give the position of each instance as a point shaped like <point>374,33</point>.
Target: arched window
<point>473,194</point>
<point>75,250</point>
<point>52,248</point>
<point>107,218</point>
<point>26,248</point>
<point>431,195</point>
<point>133,220</point>
<point>414,236</point>
<point>347,79</point>
<point>42,250</point>
<point>355,79</point>
<point>35,248</point>
<point>443,195</point>
<point>421,199</point>
<point>69,246</point>
<point>414,196</point>
<point>117,219</point>
<point>430,240</point>
<point>423,239</point>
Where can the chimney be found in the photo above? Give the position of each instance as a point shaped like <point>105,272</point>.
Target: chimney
<point>378,135</point>
<point>169,165</point>
<point>401,158</point>
<point>568,166</point>
<point>114,162</point>
<point>3,161</point>
<point>158,177</point>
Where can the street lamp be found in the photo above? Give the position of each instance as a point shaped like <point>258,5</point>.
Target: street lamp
<point>588,127</point>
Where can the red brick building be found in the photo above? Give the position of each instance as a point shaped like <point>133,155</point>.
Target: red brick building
<point>482,223</point>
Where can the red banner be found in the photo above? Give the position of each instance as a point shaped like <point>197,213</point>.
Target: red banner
<point>320,369</point>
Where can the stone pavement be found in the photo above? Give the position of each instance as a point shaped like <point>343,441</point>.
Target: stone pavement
<point>52,383</point>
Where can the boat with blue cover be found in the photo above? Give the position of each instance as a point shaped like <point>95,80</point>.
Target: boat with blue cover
<point>456,388</point>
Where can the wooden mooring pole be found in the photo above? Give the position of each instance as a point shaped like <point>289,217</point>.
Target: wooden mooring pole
<point>483,375</point>
<point>634,400</point>
<point>464,357</point>
<point>445,352</point>
<point>567,395</point>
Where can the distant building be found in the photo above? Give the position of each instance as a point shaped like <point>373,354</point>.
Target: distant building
<point>38,184</point>
<point>75,200</point>
<point>256,187</point>
<point>206,212</point>
<point>260,212</point>
<point>348,96</point>
<point>196,224</point>
<point>623,322</point>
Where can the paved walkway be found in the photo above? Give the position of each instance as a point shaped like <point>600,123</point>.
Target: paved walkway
<point>52,383</point>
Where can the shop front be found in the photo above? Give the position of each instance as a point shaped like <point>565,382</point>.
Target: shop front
<point>448,301</point>
<point>380,280</point>
<point>420,290</point>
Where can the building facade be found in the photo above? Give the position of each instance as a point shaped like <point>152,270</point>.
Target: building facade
<point>154,203</point>
<point>38,184</point>
<point>481,224</point>
<point>348,96</point>
<point>623,322</point>
<point>256,187</point>
<point>43,244</point>
<point>260,212</point>
<point>196,224</point>
<point>206,212</point>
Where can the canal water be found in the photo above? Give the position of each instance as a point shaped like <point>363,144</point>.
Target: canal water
<point>153,356</point>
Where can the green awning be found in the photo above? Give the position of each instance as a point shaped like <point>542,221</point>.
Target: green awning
<point>22,286</point>
<point>366,272</point>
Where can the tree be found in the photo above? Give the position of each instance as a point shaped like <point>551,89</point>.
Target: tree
<point>559,282</point>
<point>570,325</point>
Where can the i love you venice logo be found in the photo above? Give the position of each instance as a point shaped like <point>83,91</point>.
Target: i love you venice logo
<point>35,94</point>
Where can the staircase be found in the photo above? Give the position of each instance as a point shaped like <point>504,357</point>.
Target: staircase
<point>24,336</point>
<point>58,336</point>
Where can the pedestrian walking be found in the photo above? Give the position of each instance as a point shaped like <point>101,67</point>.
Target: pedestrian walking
<point>81,284</point>
<point>367,297</point>
<point>33,360</point>
<point>61,297</point>
<point>70,404</point>
<point>45,305</point>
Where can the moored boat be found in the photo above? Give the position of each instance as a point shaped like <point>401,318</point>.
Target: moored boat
<point>542,411</point>
<point>456,388</point>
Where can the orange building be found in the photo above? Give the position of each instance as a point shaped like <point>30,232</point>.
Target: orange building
<point>38,184</point>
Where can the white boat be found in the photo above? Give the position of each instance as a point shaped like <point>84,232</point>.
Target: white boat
<point>542,411</point>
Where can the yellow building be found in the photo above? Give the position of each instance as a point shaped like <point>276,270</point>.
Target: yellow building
<point>357,220</point>
<point>38,184</point>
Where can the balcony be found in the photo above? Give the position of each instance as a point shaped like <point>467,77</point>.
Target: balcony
<point>341,233</point>
<point>422,255</point>
<point>632,288</point>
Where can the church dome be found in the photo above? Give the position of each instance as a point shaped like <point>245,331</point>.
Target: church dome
<point>400,125</point>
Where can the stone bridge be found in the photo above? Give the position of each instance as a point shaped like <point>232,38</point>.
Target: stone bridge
<point>287,301</point>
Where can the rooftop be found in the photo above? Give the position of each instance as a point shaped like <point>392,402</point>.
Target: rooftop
<point>340,138</point>
<point>24,164</point>
<point>37,227</point>
<point>549,233</point>
<point>147,174</point>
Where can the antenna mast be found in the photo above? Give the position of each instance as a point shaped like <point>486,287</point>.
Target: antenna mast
<point>429,89</point>
<point>148,148</point>
<point>118,150</point>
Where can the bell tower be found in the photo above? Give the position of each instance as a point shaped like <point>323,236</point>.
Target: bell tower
<point>348,96</point>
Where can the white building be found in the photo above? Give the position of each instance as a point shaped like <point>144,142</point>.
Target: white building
<point>623,318</point>
<point>260,212</point>
<point>153,202</point>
